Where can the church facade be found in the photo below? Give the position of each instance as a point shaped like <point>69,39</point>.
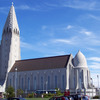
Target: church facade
<point>64,72</point>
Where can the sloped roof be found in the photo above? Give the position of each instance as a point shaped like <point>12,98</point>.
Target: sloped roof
<point>11,21</point>
<point>41,63</point>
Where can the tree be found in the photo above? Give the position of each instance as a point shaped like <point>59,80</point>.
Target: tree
<point>20,92</point>
<point>10,92</point>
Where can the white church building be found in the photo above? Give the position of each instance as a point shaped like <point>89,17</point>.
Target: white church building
<point>64,72</point>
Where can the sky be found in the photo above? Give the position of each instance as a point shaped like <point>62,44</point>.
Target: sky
<point>57,27</point>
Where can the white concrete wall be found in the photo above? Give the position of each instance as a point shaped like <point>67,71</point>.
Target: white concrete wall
<point>59,72</point>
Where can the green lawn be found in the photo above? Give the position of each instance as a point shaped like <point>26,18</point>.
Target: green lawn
<point>37,98</point>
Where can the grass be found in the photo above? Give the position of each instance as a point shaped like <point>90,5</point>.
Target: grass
<point>37,98</point>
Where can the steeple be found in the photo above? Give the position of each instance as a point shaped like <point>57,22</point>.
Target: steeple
<point>11,22</point>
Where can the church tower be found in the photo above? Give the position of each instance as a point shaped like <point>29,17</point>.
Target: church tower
<point>10,44</point>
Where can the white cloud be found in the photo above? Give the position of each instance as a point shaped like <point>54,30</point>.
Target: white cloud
<point>68,27</point>
<point>26,7</point>
<point>84,5</point>
<point>26,45</point>
<point>88,33</point>
<point>94,59</point>
<point>94,17</point>
<point>62,41</point>
<point>94,65</point>
<point>44,27</point>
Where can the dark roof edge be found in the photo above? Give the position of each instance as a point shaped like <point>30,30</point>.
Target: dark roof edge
<point>42,58</point>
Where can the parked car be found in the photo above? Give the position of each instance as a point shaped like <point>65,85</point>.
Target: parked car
<point>85,97</point>
<point>59,98</point>
<point>15,99</point>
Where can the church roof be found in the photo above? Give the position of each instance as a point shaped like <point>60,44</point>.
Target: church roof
<point>11,22</point>
<point>41,63</point>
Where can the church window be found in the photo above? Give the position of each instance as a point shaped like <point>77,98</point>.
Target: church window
<point>74,81</point>
<point>42,83</point>
<point>63,81</point>
<point>87,78</point>
<point>86,81</point>
<point>16,30</point>
<point>4,31</point>
<point>55,81</point>
<point>7,29</point>
<point>35,83</point>
<point>10,82</point>
<point>22,83</point>
<point>28,83</point>
<point>48,82</point>
<point>13,81</point>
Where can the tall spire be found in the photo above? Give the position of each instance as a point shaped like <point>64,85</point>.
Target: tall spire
<point>11,22</point>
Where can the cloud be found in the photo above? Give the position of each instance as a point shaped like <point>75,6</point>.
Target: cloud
<point>26,45</point>
<point>94,17</point>
<point>4,10</point>
<point>44,27</point>
<point>94,65</point>
<point>26,7</point>
<point>97,59</point>
<point>66,41</point>
<point>84,5</point>
<point>88,33</point>
<point>68,27</point>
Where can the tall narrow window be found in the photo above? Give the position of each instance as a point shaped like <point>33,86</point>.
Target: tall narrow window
<point>28,83</point>
<point>42,83</point>
<point>62,81</point>
<point>48,82</point>
<point>55,81</point>
<point>35,83</point>
<point>87,78</point>
<point>22,83</point>
<point>10,82</point>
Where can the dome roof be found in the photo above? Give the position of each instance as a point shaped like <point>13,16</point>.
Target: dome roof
<point>80,60</point>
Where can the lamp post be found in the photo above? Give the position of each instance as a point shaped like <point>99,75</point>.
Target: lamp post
<point>46,87</point>
<point>16,82</point>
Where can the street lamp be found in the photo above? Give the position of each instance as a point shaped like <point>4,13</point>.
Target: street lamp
<point>15,81</point>
<point>46,87</point>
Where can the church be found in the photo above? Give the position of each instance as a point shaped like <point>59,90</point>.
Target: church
<point>64,72</point>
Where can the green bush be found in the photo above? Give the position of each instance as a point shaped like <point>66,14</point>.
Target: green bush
<point>31,95</point>
<point>96,97</point>
<point>9,92</point>
<point>20,92</point>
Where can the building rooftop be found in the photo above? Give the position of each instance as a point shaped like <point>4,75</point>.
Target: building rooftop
<point>41,63</point>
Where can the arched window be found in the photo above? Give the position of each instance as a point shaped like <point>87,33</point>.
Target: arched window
<point>7,29</point>
<point>87,78</point>
<point>10,82</point>
<point>13,81</point>
<point>16,30</point>
<point>28,83</point>
<point>48,82</point>
<point>4,31</point>
<point>35,83</point>
<point>22,83</point>
<point>42,83</point>
<point>55,81</point>
<point>63,82</point>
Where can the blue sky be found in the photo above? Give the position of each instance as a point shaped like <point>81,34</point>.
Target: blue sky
<point>57,27</point>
